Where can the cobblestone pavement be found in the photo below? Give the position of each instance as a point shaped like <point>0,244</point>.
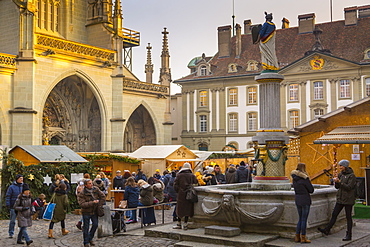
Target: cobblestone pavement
<point>39,231</point>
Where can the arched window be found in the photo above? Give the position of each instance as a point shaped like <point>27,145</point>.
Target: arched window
<point>203,70</point>
<point>318,90</point>
<point>55,140</point>
<point>203,147</point>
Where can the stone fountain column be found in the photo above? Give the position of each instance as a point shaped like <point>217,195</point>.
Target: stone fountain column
<point>270,140</point>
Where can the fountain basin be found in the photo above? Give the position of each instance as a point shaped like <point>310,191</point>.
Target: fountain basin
<point>262,208</point>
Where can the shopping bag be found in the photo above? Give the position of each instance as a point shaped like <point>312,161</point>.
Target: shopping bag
<point>191,195</point>
<point>49,211</point>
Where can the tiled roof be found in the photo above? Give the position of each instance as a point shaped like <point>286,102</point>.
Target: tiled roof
<point>346,42</point>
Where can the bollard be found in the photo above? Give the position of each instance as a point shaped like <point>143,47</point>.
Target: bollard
<point>105,223</point>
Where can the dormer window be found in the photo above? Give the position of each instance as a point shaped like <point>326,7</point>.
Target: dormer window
<point>203,70</point>
<point>233,68</point>
<point>367,54</point>
<point>252,65</point>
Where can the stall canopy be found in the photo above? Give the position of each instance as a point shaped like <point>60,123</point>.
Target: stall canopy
<point>356,134</point>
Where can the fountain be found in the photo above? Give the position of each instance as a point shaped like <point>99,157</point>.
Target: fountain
<point>267,205</point>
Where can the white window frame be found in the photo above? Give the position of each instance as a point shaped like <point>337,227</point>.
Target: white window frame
<point>252,121</point>
<point>203,70</point>
<point>252,95</point>
<point>293,119</point>
<point>293,92</point>
<point>318,90</point>
<point>233,97</point>
<point>316,114</point>
<point>367,86</point>
<point>345,89</point>
<point>203,123</point>
<point>233,122</point>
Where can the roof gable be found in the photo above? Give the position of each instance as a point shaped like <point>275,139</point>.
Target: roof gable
<point>160,151</point>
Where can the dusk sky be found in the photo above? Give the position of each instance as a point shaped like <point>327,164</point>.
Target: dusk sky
<point>192,25</point>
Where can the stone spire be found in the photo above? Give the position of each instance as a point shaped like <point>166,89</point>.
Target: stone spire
<point>165,72</point>
<point>117,16</point>
<point>149,65</point>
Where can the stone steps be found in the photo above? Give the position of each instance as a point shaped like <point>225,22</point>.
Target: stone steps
<point>196,244</point>
<point>197,237</point>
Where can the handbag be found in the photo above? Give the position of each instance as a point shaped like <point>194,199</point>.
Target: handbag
<point>49,211</point>
<point>191,194</point>
<point>123,204</point>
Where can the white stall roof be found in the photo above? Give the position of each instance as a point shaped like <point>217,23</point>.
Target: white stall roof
<point>156,152</point>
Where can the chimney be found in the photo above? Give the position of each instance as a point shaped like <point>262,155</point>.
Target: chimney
<point>247,26</point>
<point>224,34</point>
<point>306,23</point>
<point>238,40</point>
<point>285,23</point>
<point>350,16</point>
<point>364,11</point>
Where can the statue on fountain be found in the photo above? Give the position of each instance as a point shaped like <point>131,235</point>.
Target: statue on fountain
<point>265,35</point>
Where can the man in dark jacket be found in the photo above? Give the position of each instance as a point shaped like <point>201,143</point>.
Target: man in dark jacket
<point>11,196</point>
<point>346,195</point>
<point>220,178</point>
<point>89,199</point>
<point>118,181</point>
<point>243,174</point>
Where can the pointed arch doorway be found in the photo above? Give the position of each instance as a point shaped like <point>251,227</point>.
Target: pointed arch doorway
<point>139,130</point>
<point>71,116</point>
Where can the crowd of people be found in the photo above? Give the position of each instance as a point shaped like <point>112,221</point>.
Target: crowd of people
<point>140,190</point>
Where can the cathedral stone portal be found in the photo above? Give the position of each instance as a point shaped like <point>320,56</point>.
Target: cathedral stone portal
<point>71,116</point>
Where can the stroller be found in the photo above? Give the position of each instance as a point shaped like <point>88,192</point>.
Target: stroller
<point>118,223</point>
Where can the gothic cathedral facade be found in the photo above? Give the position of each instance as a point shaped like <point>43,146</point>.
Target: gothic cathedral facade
<point>65,79</point>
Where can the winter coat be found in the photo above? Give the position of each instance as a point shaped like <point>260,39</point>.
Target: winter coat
<point>209,179</point>
<point>100,184</point>
<point>132,196</point>
<point>55,184</point>
<point>171,190</point>
<point>302,188</point>
<point>166,179</point>
<point>119,182</point>
<point>230,175</point>
<point>61,201</point>
<point>14,190</point>
<point>139,176</point>
<point>86,200</point>
<point>158,189</point>
<point>243,174</point>
<point>183,181</point>
<point>146,195</point>
<point>346,187</point>
<point>106,185</point>
<point>24,215</point>
<point>220,178</point>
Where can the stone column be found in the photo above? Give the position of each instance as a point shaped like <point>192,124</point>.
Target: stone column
<point>270,140</point>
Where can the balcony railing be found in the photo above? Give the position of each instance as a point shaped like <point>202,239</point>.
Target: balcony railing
<point>130,37</point>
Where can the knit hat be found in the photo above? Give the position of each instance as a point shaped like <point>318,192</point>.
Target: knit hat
<point>18,176</point>
<point>118,171</point>
<point>25,187</point>
<point>344,163</point>
<point>157,170</point>
<point>185,167</point>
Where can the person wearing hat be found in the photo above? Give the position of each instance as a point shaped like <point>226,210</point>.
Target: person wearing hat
<point>157,174</point>
<point>346,195</point>
<point>23,205</point>
<point>11,196</point>
<point>184,208</point>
